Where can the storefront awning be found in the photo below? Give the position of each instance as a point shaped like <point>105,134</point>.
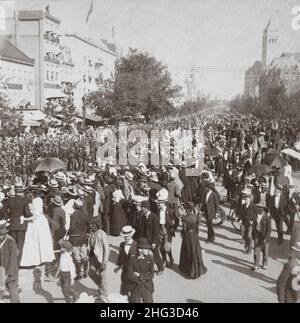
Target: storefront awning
<point>54,94</point>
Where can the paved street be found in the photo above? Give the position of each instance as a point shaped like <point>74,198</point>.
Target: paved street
<point>229,277</point>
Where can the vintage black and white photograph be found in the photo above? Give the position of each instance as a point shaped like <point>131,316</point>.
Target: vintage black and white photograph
<point>150,152</point>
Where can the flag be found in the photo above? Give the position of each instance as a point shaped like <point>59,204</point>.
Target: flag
<point>90,11</point>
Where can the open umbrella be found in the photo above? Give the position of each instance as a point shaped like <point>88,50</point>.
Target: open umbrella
<point>274,159</point>
<point>49,165</point>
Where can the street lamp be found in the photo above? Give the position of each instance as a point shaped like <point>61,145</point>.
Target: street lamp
<point>84,106</point>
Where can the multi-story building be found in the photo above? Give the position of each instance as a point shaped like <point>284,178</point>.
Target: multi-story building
<point>288,67</point>
<point>64,63</point>
<point>93,63</point>
<point>252,77</point>
<point>16,76</point>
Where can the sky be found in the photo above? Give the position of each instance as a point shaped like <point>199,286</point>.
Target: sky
<point>216,39</point>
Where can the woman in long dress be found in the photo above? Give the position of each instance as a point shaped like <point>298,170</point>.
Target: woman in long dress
<point>38,245</point>
<point>191,261</point>
<point>118,216</point>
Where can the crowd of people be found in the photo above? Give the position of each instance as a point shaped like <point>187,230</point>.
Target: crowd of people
<point>76,209</point>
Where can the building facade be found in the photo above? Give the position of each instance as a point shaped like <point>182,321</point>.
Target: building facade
<point>252,77</point>
<point>64,63</point>
<point>17,83</point>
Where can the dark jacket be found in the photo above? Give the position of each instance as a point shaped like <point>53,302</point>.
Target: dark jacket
<point>151,228</point>
<point>9,259</point>
<point>107,190</point>
<point>57,222</point>
<point>281,211</point>
<point>262,232</point>
<point>249,214</point>
<point>13,209</point>
<point>123,262</point>
<point>211,206</point>
<point>78,228</point>
<point>145,267</point>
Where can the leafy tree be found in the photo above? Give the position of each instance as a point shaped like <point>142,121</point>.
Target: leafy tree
<point>142,88</point>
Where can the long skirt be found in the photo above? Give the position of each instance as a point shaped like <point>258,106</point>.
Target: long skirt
<point>38,245</point>
<point>191,261</point>
<point>117,219</point>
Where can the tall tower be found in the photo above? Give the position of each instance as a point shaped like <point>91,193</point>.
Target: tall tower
<point>270,45</point>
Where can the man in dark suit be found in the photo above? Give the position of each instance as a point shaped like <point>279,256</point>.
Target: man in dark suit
<point>261,235</point>
<point>230,181</point>
<point>107,203</point>
<point>151,231</point>
<point>278,212</point>
<point>141,274</point>
<point>14,208</point>
<point>210,208</point>
<point>248,214</point>
<point>127,249</point>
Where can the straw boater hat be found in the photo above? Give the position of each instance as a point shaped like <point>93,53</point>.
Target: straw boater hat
<point>88,182</point>
<point>60,176</point>
<point>154,177</point>
<point>11,193</point>
<point>3,227</point>
<point>262,204</point>
<point>184,164</point>
<point>53,183</point>
<point>129,176</point>
<point>296,247</point>
<point>19,188</point>
<point>57,200</point>
<point>162,196</point>
<point>87,189</point>
<point>72,191</point>
<point>127,231</point>
<point>143,169</point>
<point>246,193</point>
<point>80,193</point>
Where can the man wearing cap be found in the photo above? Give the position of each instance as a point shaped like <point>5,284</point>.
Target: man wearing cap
<point>8,264</point>
<point>278,212</point>
<point>14,208</point>
<point>248,214</point>
<point>141,274</point>
<point>262,229</point>
<point>288,283</point>
<point>127,249</point>
<point>77,236</point>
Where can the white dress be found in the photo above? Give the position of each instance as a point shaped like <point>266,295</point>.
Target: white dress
<point>38,245</point>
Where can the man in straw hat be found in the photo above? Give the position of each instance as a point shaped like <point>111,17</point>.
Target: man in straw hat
<point>127,249</point>
<point>141,274</point>
<point>262,229</point>
<point>8,264</point>
<point>288,283</point>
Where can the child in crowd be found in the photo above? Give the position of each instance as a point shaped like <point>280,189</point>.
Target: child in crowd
<point>67,272</point>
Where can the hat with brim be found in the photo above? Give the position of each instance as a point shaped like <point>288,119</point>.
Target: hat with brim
<point>143,243</point>
<point>88,182</point>
<point>57,200</point>
<point>72,191</point>
<point>11,193</point>
<point>19,188</point>
<point>87,189</point>
<point>127,231</point>
<point>261,205</point>
<point>80,193</point>
<point>296,247</point>
<point>60,176</point>
<point>53,183</point>
<point>129,176</point>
